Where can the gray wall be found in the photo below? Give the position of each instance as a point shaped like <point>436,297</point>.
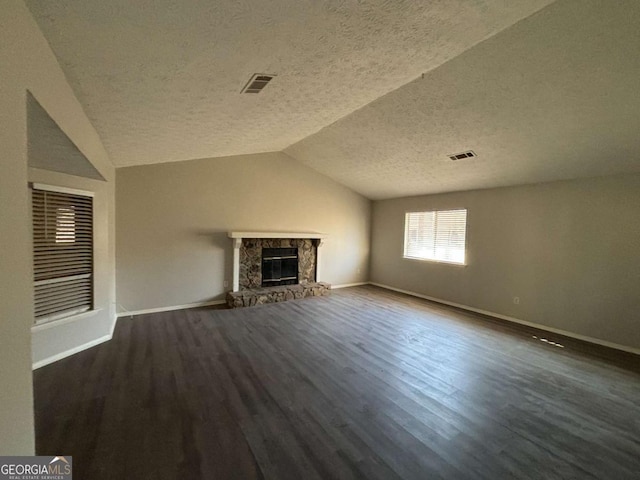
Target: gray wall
<point>173,220</point>
<point>27,63</point>
<point>570,250</point>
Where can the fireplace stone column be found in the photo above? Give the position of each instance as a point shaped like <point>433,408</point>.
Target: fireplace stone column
<point>237,243</point>
<point>319,242</point>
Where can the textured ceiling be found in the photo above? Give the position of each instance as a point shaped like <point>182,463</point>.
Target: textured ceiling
<point>554,97</point>
<point>160,80</point>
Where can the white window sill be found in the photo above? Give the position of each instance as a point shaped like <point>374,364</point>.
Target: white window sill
<point>62,321</point>
<point>429,260</point>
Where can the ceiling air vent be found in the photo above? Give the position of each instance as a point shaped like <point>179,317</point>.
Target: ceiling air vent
<point>460,156</point>
<point>256,83</point>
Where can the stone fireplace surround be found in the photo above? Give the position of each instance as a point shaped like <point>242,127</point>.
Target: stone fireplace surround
<point>249,245</point>
<point>251,259</point>
<point>247,267</point>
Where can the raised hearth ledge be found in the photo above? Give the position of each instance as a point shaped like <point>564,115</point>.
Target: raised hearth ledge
<point>237,237</point>
<point>281,293</point>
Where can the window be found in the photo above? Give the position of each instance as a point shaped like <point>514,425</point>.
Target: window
<point>62,252</point>
<point>438,236</point>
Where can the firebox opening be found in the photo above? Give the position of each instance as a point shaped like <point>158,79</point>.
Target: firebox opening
<point>279,266</point>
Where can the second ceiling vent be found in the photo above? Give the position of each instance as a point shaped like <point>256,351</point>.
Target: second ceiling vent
<point>460,156</point>
<point>256,83</point>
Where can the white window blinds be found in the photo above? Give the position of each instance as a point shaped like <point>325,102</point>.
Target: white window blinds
<point>438,235</point>
<point>62,253</point>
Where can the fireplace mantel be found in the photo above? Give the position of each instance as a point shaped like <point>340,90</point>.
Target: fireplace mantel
<point>277,235</point>
<point>237,237</point>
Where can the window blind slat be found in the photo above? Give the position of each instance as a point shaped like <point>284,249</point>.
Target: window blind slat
<point>57,272</point>
<point>63,300</point>
<point>72,308</point>
<point>75,290</point>
<point>68,258</point>
<point>62,252</point>
<point>68,280</point>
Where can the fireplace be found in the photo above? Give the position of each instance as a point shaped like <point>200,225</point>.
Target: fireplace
<point>273,267</point>
<point>272,262</point>
<point>279,266</point>
<point>254,252</point>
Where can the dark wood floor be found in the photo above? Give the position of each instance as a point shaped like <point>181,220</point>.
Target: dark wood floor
<point>363,384</point>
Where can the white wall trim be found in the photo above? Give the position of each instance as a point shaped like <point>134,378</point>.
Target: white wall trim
<point>346,285</point>
<point>242,235</point>
<point>171,308</point>
<point>55,188</point>
<point>566,333</point>
<point>64,320</point>
<point>68,353</point>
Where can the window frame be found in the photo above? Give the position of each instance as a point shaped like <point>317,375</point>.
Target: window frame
<point>78,312</point>
<point>434,260</point>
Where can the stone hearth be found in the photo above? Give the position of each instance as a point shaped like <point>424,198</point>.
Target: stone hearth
<point>261,296</point>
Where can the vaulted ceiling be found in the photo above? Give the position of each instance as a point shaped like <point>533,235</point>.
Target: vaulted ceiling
<point>374,94</point>
<point>555,97</point>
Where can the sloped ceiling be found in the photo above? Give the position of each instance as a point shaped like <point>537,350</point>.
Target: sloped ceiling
<point>557,96</point>
<point>540,90</point>
<point>160,80</point>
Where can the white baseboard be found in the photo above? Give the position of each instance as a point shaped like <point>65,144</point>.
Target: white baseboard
<point>67,353</point>
<point>346,285</point>
<point>169,309</point>
<point>546,328</point>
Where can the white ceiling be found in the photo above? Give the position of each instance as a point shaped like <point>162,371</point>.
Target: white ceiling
<point>160,80</point>
<point>538,93</point>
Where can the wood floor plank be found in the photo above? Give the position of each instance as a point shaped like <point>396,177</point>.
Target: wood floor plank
<point>366,383</point>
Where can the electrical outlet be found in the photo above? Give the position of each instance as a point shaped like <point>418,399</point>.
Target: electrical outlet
<point>226,283</point>
<point>516,300</point>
